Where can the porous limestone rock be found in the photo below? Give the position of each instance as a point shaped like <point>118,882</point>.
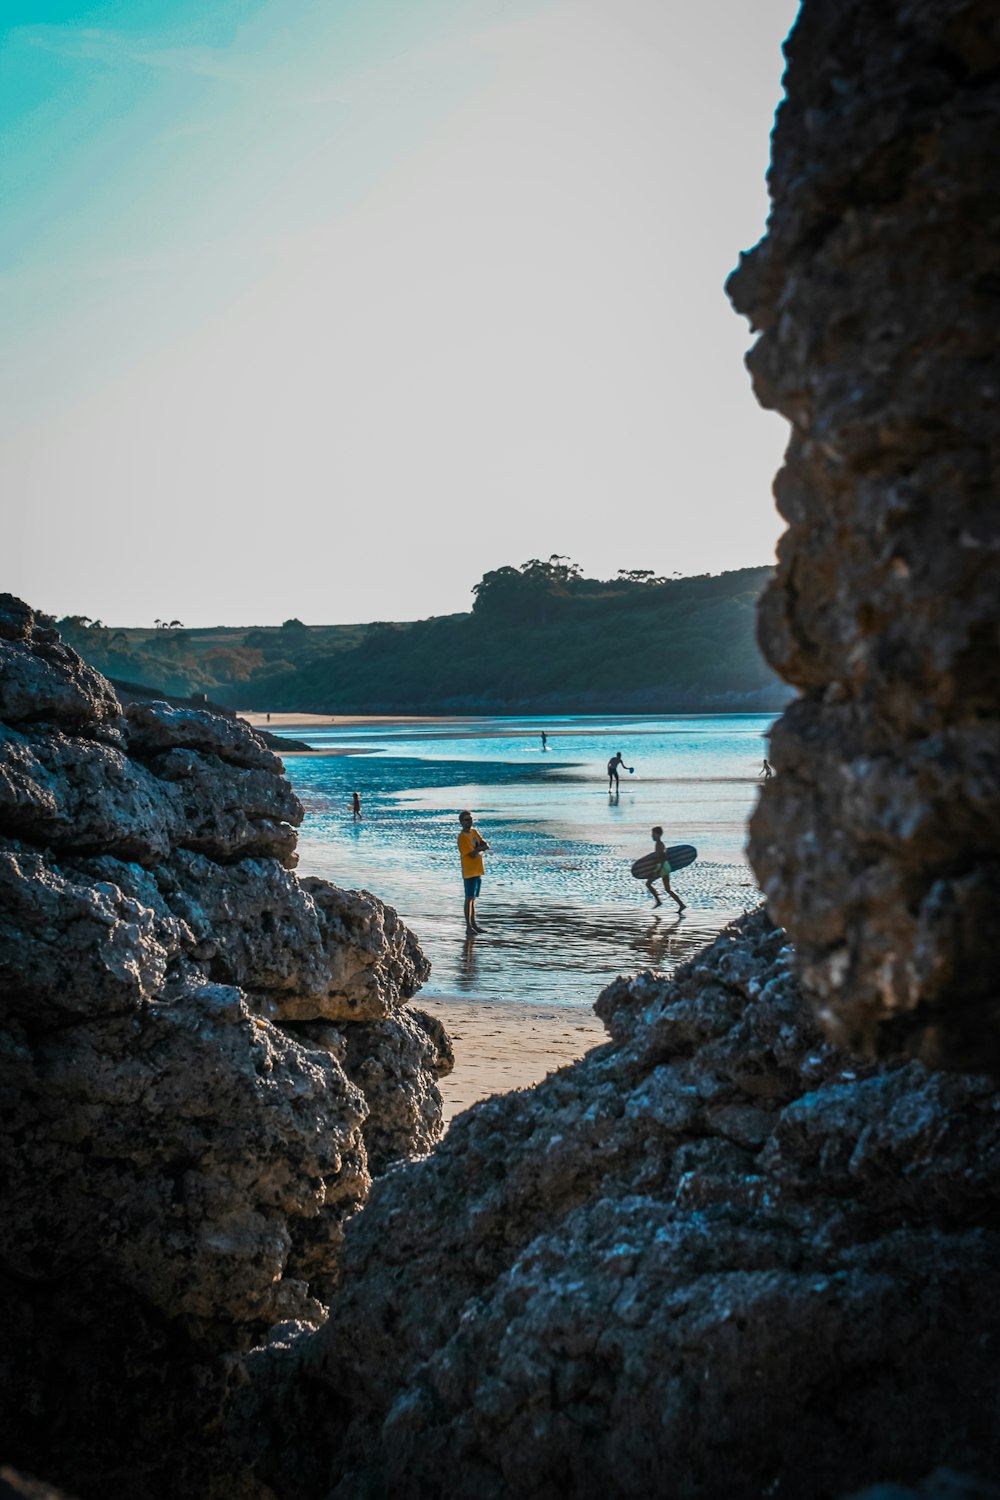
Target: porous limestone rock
<point>715,1258</point>
<point>178,1161</point>
<point>875,293</point>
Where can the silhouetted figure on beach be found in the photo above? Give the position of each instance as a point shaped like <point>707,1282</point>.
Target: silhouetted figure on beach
<point>471,846</point>
<point>616,760</point>
<point>766,770</point>
<point>356,806</point>
<point>545,740</point>
<point>663,873</point>
<point>269,718</point>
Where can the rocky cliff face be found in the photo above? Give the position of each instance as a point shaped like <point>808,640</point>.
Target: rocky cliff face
<point>715,1258</point>
<point>203,1060</point>
<point>875,291</point>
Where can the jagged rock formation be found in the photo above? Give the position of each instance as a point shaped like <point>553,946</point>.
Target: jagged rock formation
<point>714,1258</point>
<point>202,1059</point>
<point>876,293</point>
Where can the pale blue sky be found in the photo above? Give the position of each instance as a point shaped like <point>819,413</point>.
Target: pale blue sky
<point>326,308</point>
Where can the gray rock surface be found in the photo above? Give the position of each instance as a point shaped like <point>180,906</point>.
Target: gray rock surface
<point>875,295</point>
<point>714,1258</point>
<point>180,1154</point>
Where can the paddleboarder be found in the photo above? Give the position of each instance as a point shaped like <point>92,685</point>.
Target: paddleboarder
<point>663,871</point>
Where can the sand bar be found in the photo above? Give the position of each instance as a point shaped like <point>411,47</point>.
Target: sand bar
<point>342,721</point>
<point>503,1045</point>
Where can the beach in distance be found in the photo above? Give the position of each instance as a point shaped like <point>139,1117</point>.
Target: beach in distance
<point>562,913</point>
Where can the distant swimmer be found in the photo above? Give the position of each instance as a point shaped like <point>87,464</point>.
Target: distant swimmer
<point>356,806</point>
<point>663,871</point>
<point>616,760</point>
<point>766,770</point>
<point>471,846</point>
<point>545,740</point>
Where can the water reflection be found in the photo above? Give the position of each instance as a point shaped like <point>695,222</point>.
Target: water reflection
<point>658,942</point>
<point>466,969</point>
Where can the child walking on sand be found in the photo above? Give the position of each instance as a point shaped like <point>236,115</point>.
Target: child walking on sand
<point>663,873</point>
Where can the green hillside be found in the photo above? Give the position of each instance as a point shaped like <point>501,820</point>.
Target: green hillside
<point>540,638</point>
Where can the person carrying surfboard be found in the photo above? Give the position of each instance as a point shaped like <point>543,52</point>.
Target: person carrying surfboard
<point>662,872</point>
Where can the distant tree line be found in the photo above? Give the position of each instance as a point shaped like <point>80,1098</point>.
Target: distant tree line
<point>541,636</point>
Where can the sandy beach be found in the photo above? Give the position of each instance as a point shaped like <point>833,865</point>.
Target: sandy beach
<point>500,1046</point>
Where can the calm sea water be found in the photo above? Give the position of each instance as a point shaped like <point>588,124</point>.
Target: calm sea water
<point>563,914</point>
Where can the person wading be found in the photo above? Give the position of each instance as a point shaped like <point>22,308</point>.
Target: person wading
<point>472,847</point>
<point>663,873</point>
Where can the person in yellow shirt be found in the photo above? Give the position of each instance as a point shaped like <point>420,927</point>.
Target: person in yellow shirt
<point>471,846</point>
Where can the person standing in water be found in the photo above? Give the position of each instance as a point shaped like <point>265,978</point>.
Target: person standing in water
<point>663,873</point>
<point>616,760</point>
<point>471,846</point>
<point>356,806</point>
<point>545,740</point>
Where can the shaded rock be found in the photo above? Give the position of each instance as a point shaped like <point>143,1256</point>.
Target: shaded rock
<point>71,949</point>
<point>179,1141</point>
<point>716,1257</point>
<point>73,794</point>
<point>375,961</point>
<point>875,294</point>
<point>227,812</point>
<point>394,1063</point>
<point>178,1167</point>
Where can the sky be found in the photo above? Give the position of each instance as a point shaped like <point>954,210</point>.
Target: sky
<point>324,308</point>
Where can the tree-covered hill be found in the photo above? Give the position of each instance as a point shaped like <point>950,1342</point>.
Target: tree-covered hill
<point>540,638</point>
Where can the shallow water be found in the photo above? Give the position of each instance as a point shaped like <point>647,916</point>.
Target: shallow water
<point>563,914</point>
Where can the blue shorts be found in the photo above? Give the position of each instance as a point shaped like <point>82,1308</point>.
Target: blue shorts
<point>473,884</point>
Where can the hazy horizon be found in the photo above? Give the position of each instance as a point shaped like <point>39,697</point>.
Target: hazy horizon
<point>324,311</point>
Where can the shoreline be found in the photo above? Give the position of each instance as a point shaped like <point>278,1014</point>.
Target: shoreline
<point>504,1045</point>
<point>344,721</point>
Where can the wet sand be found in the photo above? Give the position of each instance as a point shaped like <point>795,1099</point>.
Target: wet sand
<point>500,1046</point>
